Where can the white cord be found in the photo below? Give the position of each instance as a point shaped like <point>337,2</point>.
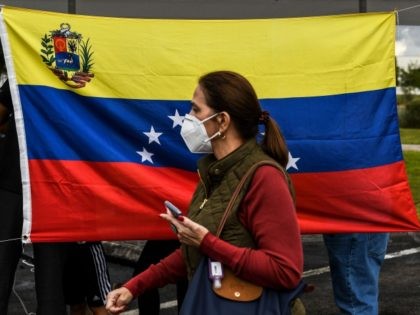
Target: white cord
<point>11,239</point>
<point>409,8</point>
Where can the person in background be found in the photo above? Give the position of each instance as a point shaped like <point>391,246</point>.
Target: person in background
<point>86,279</point>
<point>261,242</point>
<point>11,198</point>
<point>73,274</point>
<point>355,261</point>
<point>152,253</point>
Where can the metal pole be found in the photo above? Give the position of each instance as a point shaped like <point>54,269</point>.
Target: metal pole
<point>71,6</point>
<point>362,6</point>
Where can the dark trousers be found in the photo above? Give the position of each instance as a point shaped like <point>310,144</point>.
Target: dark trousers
<point>153,252</point>
<point>10,251</point>
<point>49,260</point>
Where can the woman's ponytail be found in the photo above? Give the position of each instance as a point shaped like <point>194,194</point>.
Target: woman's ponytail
<point>273,142</point>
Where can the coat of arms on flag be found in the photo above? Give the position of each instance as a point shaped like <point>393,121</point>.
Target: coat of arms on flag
<point>68,56</point>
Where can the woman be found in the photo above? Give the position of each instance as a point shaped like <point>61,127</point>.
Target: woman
<point>261,243</point>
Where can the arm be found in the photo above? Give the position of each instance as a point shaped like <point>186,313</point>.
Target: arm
<point>268,212</point>
<point>5,107</point>
<point>168,270</point>
<point>4,118</point>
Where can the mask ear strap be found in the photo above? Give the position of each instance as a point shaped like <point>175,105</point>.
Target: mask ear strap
<point>208,118</point>
<point>217,134</point>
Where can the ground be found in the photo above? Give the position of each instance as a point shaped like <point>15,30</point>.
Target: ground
<point>399,282</point>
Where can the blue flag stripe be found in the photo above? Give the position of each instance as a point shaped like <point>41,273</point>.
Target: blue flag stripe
<point>329,133</point>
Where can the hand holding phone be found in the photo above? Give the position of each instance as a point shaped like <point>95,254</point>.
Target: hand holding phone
<point>173,209</point>
<point>188,231</point>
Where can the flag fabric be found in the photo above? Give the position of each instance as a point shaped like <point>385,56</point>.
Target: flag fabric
<point>99,103</point>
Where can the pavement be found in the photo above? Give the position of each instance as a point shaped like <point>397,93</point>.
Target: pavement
<point>399,281</point>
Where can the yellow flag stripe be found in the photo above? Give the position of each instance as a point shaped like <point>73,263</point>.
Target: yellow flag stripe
<point>162,59</point>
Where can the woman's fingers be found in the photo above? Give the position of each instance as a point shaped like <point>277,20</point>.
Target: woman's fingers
<point>117,300</point>
<point>188,231</point>
<point>175,223</point>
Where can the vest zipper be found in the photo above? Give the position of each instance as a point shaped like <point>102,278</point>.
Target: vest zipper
<point>203,203</point>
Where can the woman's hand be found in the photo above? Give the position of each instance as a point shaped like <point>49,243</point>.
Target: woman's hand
<point>117,300</point>
<point>188,232</point>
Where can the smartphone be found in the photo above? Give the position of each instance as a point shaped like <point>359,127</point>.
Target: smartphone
<point>174,210</point>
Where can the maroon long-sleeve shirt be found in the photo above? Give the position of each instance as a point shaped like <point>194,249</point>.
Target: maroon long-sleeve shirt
<point>267,211</point>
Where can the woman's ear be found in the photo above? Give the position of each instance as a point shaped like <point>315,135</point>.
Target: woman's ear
<point>224,121</point>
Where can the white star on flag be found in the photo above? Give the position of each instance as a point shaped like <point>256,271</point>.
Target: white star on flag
<point>292,162</point>
<point>153,135</point>
<point>145,155</point>
<point>177,119</point>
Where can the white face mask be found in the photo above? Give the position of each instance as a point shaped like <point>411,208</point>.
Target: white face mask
<point>195,135</point>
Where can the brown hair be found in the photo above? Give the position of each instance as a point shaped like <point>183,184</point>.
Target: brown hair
<point>230,92</point>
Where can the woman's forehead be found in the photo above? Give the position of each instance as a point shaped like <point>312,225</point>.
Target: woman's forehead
<point>199,98</point>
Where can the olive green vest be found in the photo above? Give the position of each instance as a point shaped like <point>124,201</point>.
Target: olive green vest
<point>218,180</point>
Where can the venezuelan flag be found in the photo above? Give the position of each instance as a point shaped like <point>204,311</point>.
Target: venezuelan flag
<point>99,104</point>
